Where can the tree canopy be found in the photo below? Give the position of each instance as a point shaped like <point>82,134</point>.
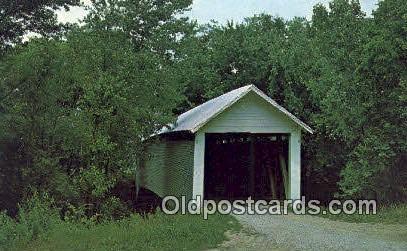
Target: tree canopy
<point>18,18</point>
<point>75,108</point>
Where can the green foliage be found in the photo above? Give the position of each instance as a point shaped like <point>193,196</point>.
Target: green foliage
<point>38,230</point>
<point>390,214</point>
<point>113,209</point>
<point>74,111</point>
<point>18,18</point>
<point>75,214</point>
<point>157,232</point>
<point>342,73</point>
<point>148,24</point>
<point>94,181</point>
<point>7,231</point>
<point>35,218</point>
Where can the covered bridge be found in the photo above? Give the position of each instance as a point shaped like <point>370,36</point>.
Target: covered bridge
<point>234,146</point>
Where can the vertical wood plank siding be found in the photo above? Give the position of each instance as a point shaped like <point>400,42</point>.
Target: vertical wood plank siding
<point>167,168</point>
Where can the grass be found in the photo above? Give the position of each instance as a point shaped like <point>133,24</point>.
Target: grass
<point>38,226</point>
<point>157,232</point>
<point>393,214</point>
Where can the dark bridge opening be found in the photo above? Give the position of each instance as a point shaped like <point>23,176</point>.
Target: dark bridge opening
<point>239,165</point>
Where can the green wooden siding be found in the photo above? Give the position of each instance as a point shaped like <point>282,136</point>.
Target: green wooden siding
<point>167,168</point>
<point>251,114</point>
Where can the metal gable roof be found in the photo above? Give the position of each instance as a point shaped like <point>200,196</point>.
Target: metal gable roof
<point>197,117</point>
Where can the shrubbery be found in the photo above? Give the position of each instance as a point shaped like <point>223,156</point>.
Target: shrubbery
<point>38,226</point>
<point>74,110</point>
<point>35,217</point>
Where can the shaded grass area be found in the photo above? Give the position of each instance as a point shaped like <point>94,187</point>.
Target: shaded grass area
<point>156,232</point>
<point>392,214</point>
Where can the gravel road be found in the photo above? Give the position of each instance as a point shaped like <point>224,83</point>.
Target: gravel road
<point>302,232</point>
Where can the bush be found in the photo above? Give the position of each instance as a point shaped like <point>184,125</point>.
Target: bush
<point>39,227</point>
<point>156,232</point>
<point>7,231</point>
<point>73,213</point>
<point>113,208</point>
<point>387,214</point>
<point>36,216</point>
<point>34,219</point>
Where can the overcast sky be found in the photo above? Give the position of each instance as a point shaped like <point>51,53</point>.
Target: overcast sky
<point>222,10</point>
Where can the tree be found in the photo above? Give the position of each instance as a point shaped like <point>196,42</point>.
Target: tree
<point>376,163</point>
<point>155,25</point>
<point>78,108</point>
<point>79,128</point>
<point>18,18</point>
<point>343,73</point>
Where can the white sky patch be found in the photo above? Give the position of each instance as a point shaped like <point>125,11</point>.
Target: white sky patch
<point>74,15</point>
<point>223,10</point>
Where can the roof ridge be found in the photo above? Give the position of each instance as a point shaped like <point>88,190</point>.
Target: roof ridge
<point>195,118</point>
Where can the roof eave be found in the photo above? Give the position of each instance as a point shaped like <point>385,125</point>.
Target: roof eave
<point>265,97</point>
<point>282,109</point>
<point>237,98</point>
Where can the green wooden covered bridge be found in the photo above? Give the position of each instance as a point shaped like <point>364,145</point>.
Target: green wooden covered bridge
<point>237,145</point>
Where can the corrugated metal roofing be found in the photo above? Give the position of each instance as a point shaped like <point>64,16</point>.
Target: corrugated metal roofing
<point>197,117</point>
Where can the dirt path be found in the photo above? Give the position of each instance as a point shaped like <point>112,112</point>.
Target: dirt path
<point>294,232</point>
